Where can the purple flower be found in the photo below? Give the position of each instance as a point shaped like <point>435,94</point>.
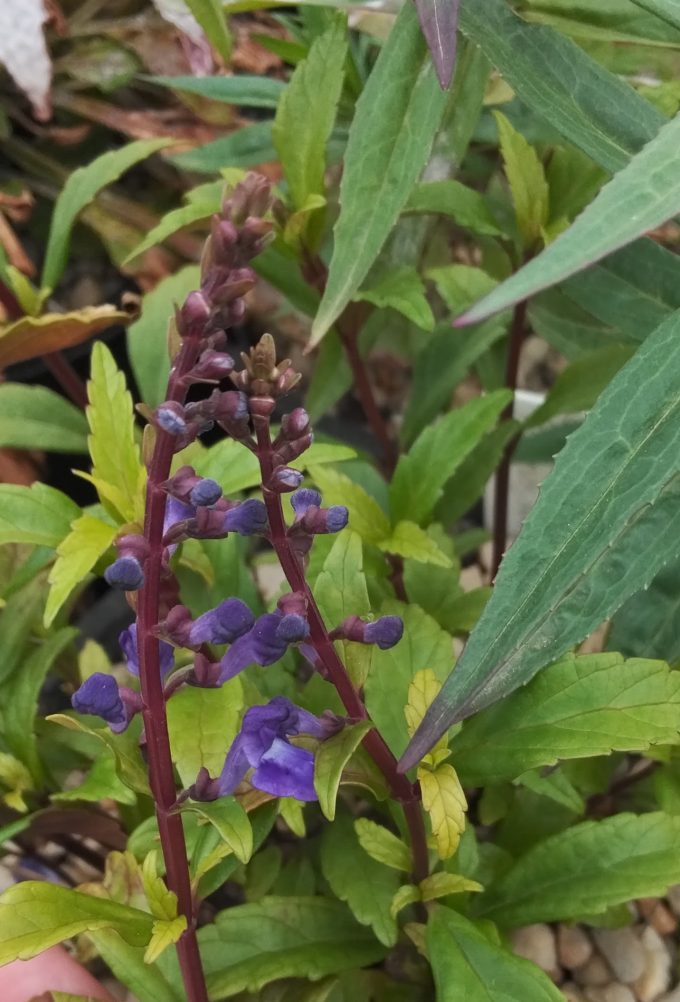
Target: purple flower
<point>125,573</point>
<point>264,643</point>
<point>128,645</point>
<point>384,632</point>
<point>285,479</point>
<point>293,629</point>
<point>312,519</point>
<point>170,417</point>
<point>281,768</point>
<point>222,625</point>
<point>303,499</point>
<point>100,696</point>
<point>176,511</point>
<point>206,492</point>
<point>337,517</point>
<point>247,518</point>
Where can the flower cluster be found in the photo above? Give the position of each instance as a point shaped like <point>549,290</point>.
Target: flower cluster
<point>219,644</point>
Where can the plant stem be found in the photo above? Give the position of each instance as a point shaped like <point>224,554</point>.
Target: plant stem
<point>402,789</point>
<point>67,378</point>
<point>502,480</point>
<point>161,775</point>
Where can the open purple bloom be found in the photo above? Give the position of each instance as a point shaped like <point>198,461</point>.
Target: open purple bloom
<point>176,511</point>
<point>247,518</point>
<point>205,492</point>
<point>128,645</point>
<point>385,632</point>
<point>303,499</point>
<point>100,696</point>
<point>281,768</point>
<point>223,624</point>
<point>264,643</point>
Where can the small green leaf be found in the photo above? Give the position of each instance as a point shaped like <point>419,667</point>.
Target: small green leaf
<point>164,933</point>
<point>445,802</point>
<point>80,188</point>
<point>101,782</point>
<point>578,387</point>
<point>202,725</point>
<point>407,895</point>
<point>366,517</point>
<point>526,177</point>
<point>245,147</point>
<point>439,885</point>
<point>382,845</point>
<point>171,222</point>
<point>396,120</point>
<point>467,964</point>
<point>38,514</point>
<point>242,89</point>
<point>36,915</point>
<point>162,902</point>
<point>88,540</point>
<point>587,869</point>
<point>401,289</point>
<point>409,540</point>
<point>331,758</point>
<point>18,780</point>
<point>341,591</point>
<point>33,417</point>
<point>292,812</point>
<point>230,820</point>
<point>451,198</point>
<point>210,15</point>
<point>147,982</point>
<point>125,747</point>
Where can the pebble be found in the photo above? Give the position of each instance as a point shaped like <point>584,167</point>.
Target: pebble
<point>574,946</point>
<point>572,992</point>
<point>673,895</point>
<point>537,943</point>
<point>611,993</point>
<point>595,972</point>
<point>623,952</point>
<point>658,915</point>
<point>673,996</point>
<point>656,976</point>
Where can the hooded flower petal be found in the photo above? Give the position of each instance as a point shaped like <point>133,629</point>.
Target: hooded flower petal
<point>247,518</point>
<point>385,632</point>
<point>125,573</point>
<point>286,771</point>
<point>99,695</point>
<point>128,645</point>
<point>235,767</point>
<point>223,624</point>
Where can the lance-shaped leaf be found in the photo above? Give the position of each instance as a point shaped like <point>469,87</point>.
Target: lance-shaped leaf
<point>640,197</point>
<point>254,91</point>
<point>439,21</point>
<point>33,417</point>
<point>668,10</point>
<point>397,118</point>
<point>30,337</point>
<point>605,523</point>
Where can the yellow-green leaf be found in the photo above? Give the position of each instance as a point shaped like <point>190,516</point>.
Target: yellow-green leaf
<point>164,933</point>
<point>88,540</point>
<point>421,693</point>
<point>39,514</point>
<point>526,177</point>
<point>16,777</point>
<point>410,541</point>
<point>439,885</point>
<point>330,759</point>
<point>445,802</point>
<point>230,820</point>
<point>382,845</point>
<point>408,894</point>
<point>125,748</point>
<point>202,725</point>
<point>162,902</point>
<point>365,514</point>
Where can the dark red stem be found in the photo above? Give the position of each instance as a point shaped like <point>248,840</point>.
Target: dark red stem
<point>67,377</point>
<point>161,774</point>
<point>402,789</point>
<point>500,505</point>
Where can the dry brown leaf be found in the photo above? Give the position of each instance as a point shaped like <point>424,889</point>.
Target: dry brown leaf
<point>30,337</point>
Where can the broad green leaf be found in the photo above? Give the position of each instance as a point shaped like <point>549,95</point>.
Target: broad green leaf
<point>33,417</point>
<point>366,517</point>
<point>587,869</point>
<point>602,528</point>
<point>244,147</point>
<point>433,458</point>
<point>451,198</point>
<point>306,114</point>
<point>114,451</point>
<point>526,177</point>
<point>640,197</point>
<point>230,820</point>
<point>21,699</point>
<point>467,964</point>
<point>202,724</point>
<point>125,747</point>
<point>445,802</point>
<point>36,915</point>
<point>584,705</point>
<point>80,188</point>
<point>668,10</point>
<point>210,15</point>
<point>366,886</point>
<point>147,981</point>
<point>609,21</point>
<point>603,116</point>
<point>434,589</point>
<point>402,290</point>
<point>101,782</point>
<point>578,387</point>
<point>567,327</point>
<point>242,89</point>
<point>171,222</point>
<point>38,514</point>
<point>88,540</point>
<point>282,937</point>
<point>31,337</point>
<point>409,540</point>
<point>648,624</point>
<point>439,885</point>
<point>396,120</point>
<point>382,845</point>
<point>341,591</point>
<point>330,759</point>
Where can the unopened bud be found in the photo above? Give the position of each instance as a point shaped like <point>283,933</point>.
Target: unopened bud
<point>285,479</point>
<point>295,424</point>
<point>170,417</point>
<point>125,573</point>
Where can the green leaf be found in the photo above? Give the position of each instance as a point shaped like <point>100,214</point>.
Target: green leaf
<point>88,540</point>
<point>445,802</point>
<point>230,820</point>
<point>38,514</point>
<point>421,474</point>
<point>245,147</point>
<point>396,120</point>
<point>306,113</point>
<point>382,845</point>
<point>20,615</point>
<point>593,538</point>
<point>171,222</point>
<point>36,915</point>
<point>467,964</point>
<point>146,981</point>
<point>243,89</point>
<point>603,116</point>
<point>202,724</point>
<point>101,782</point>
<point>125,747</point>
<point>164,933</point>
<point>366,886</point>
<point>401,289</point>
<point>668,10</point>
<point>210,16</point>
<point>584,705</point>
<point>33,417</point>
<point>434,589</point>
<point>440,885</point>
<point>639,198</point>
<point>80,188</point>
<point>578,386</point>
<point>331,758</point>
<point>526,177</point>
<point>18,780</point>
<point>587,869</point>
<point>21,694</point>
<point>648,624</point>
<point>114,451</point>
<point>282,937</point>
<point>366,516</point>
<point>451,198</point>
<point>409,540</point>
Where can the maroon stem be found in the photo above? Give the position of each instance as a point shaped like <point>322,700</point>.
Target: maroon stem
<point>161,775</point>
<point>502,481</point>
<point>67,377</point>
<point>402,789</point>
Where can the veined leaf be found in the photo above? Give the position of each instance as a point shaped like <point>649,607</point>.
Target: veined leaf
<point>331,758</point>
<point>147,981</point>
<point>648,624</point>
<point>578,386</point>
<point>237,469</point>
<point>527,180</point>
<point>439,21</point>
<point>668,10</point>
<point>245,147</point>
<point>77,553</point>
<point>125,749</point>
<point>33,417</point>
<point>243,89</point>
<point>467,964</point>
<point>396,120</point>
<point>586,869</point>
<point>445,802</point>
<point>38,514</point>
<point>440,885</point>
<point>451,198</point>
<point>341,591</point>
<point>382,845</point>
<point>640,197</point>
<point>30,337</point>
<point>409,540</point>
<point>202,725</point>
<point>366,516</point>
<point>231,821</point>
<point>603,526</point>
<point>402,290</point>
<point>582,706</point>
<point>80,188</point>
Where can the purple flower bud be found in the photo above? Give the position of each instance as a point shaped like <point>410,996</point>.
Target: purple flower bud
<point>128,645</point>
<point>295,424</point>
<point>323,520</point>
<point>303,499</point>
<point>125,573</point>
<point>285,479</point>
<point>194,316</point>
<point>212,366</point>
<point>206,492</point>
<point>222,625</point>
<point>170,417</point>
<point>293,629</point>
<point>99,695</point>
<point>385,632</point>
<point>230,410</point>
<point>337,517</point>
<point>248,518</point>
